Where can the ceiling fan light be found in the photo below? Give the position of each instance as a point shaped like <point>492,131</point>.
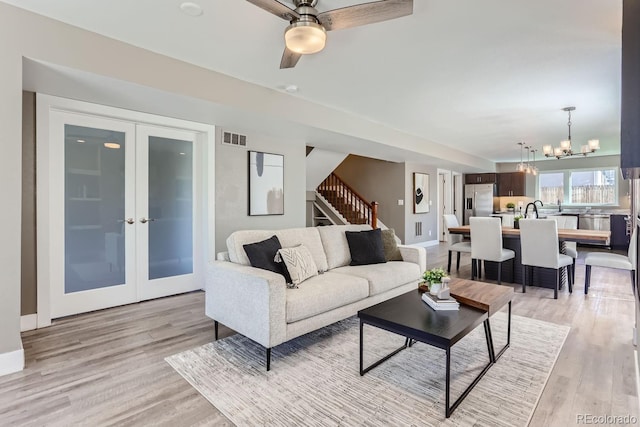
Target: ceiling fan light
<point>305,37</point>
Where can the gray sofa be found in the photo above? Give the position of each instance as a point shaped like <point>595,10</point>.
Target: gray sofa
<point>258,304</point>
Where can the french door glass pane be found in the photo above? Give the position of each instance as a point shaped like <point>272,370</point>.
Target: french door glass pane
<point>94,207</point>
<point>170,207</point>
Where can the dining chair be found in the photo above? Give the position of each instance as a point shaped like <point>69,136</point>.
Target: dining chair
<point>456,243</point>
<point>568,222</point>
<point>486,245</point>
<point>606,259</point>
<point>539,248</point>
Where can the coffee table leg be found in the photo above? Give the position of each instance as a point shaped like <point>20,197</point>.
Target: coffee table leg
<point>447,386</point>
<point>449,410</point>
<point>497,356</point>
<point>385,358</point>
<point>361,373</point>
<point>487,334</point>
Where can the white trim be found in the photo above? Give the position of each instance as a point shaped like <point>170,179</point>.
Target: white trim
<point>28,322</point>
<point>426,244</point>
<point>12,362</point>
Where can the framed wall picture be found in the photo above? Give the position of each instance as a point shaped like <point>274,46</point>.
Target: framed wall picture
<point>420,192</point>
<point>266,183</point>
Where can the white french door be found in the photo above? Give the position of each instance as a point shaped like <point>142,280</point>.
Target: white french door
<point>124,215</point>
<point>168,232</point>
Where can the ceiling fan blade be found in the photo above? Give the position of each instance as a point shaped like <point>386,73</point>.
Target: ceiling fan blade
<point>367,13</point>
<point>277,8</point>
<point>289,59</point>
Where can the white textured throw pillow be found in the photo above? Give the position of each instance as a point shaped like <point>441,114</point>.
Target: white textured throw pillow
<point>299,263</point>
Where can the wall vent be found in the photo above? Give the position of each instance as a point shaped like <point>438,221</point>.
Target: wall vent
<point>418,228</point>
<point>236,139</point>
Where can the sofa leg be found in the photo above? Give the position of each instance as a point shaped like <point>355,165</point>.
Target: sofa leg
<point>268,359</point>
<point>215,329</point>
<point>449,263</point>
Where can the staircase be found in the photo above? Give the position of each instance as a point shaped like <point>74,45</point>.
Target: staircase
<point>353,207</point>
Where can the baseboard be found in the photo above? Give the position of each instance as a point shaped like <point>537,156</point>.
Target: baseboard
<point>426,244</point>
<point>12,362</point>
<point>28,322</point>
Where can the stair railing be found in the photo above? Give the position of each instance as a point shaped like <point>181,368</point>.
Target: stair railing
<point>348,202</point>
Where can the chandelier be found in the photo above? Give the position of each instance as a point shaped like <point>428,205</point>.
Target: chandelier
<point>565,150</point>
<point>527,167</point>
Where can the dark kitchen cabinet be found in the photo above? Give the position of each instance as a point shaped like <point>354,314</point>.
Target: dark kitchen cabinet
<point>480,178</point>
<point>619,238</point>
<point>516,184</point>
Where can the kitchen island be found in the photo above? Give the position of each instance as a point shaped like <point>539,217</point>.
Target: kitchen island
<point>543,277</point>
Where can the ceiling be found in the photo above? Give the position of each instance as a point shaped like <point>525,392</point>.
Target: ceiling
<point>476,75</point>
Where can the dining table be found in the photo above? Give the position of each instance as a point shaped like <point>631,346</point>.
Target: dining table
<point>543,277</point>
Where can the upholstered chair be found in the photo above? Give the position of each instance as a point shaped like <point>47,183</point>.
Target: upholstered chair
<point>486,245</point>
<point>568,222</point>
<point>540,248</point>
<point>605,259</point>
<point>455,241</point>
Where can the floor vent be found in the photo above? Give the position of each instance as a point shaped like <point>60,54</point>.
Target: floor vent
<point>236,139</point>
<point>418,228</point>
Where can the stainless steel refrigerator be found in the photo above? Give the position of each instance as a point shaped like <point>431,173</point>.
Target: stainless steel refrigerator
<point>479,200</point>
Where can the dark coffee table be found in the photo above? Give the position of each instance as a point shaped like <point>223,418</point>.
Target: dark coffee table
<point>409,316</point>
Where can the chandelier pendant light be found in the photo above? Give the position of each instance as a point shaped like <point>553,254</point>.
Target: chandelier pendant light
<point>565,149</point>
<point>527,167</point>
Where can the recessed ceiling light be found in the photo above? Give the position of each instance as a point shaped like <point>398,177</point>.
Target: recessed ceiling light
<point>191,9</point>
<point>80,141</point>
<point>291,88</point>
<point>113,145</point>
<point>183,154</point>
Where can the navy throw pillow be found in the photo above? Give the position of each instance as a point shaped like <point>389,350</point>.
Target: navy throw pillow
<point>366,247</point>
<point>262,254</point>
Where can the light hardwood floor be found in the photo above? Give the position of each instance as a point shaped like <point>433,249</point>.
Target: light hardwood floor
<point>107,367</point>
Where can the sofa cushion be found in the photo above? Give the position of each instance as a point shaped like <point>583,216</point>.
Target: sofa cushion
<point>322,293</point>
<point>299,263</point>
<point>382,277</point>
<point>391,250</point>
<point>335,243</point>
<point>366,247</point>
<point>290,237</point>
<point>262,254</point>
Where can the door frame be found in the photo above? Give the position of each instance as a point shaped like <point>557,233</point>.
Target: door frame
<point>444,201</point>
<point>45,104</point>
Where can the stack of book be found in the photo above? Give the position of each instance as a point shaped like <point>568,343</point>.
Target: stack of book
<point>440,304</point>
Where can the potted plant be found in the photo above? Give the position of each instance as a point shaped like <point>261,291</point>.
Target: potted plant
<point>511,207</point>
<point>434,278</point>
<point>516,221</point>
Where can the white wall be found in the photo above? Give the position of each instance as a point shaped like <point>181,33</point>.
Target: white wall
<point>429,220</point>
<point>232,186</point>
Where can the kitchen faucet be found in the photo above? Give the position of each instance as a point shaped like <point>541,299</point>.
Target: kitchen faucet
<point>535,208</point>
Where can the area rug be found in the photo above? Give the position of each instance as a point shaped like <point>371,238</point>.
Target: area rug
<point>314,379</point>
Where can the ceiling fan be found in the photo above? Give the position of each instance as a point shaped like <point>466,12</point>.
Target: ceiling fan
<point>307,30</point>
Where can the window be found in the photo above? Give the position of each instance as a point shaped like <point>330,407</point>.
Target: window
<point>579,187</point>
